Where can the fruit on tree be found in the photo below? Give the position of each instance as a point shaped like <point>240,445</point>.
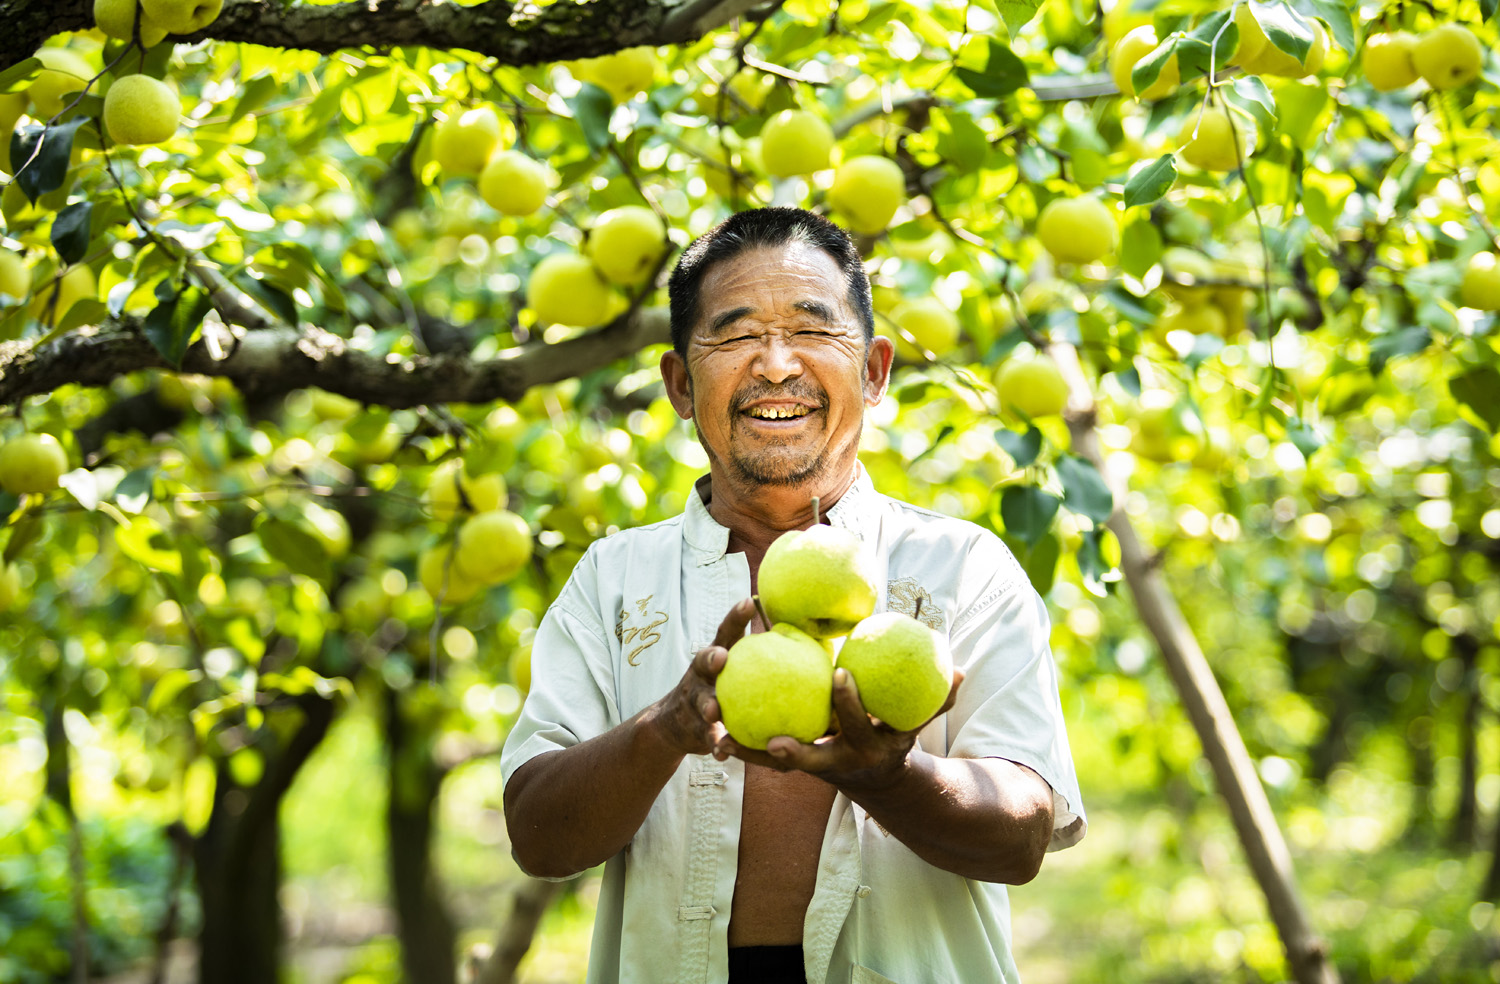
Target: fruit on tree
<point>775,683</point>
<point>441,577</point>
<point>1034,386</point>
<point>1480,287</point>
<point>140,110</point>
<point>479,493</point>
<point>818,580</point>
<point>31,463</point>
<point>929,322</point>
<point>1448,56</point>
<point>1121,18</point>
<point>1221,142</point>
<point>626,244</point>
<point>1257,55</point>
<point>463,142</point>
<point>795,141</point>
<point>622,74</point>
<point>903,668</point>
<point>10,585</point>
<point>15,276</point>
<point>1387,60</point>
<point>116,18</point>
<point>63,73</point>
<point>493,546</point>
<point>867,191</point>
<point>1077,230</point>
<point>1131,49</point>
<point>514,184</point>
<point>182,16</point>
<point>565,289</point>
<point>328,527</point>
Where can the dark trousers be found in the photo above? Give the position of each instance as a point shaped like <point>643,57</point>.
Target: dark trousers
<point>766,965</point>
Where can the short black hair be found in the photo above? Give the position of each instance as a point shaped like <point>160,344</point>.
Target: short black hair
<point>763,228</point>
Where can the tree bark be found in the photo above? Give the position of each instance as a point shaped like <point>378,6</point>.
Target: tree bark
<point>1223,746</point>
<point>528,905</point>
<point>1464,831</point>
<point>237,863</point>
<point>429,940</point>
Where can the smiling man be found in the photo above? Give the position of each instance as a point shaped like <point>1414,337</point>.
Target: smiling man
<point>870,855</point>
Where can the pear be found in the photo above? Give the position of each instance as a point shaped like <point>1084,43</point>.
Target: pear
<point>817,580</point>
<point>776,683</point>
<point>902,668</point>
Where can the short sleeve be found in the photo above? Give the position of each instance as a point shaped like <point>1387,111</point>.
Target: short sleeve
<point>572,694</point>
<point>1008,705</point>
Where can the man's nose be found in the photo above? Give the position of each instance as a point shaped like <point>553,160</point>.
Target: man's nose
<point>778,359</point>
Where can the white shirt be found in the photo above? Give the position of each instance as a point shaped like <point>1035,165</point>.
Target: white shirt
<point>621,634</point>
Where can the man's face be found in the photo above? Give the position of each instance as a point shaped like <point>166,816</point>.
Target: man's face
<point>778,373</point>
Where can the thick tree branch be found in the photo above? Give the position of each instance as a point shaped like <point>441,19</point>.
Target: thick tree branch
<point>511,32</point>
<point>270,362</point>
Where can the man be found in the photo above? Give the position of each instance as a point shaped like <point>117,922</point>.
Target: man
<point>872,855</point>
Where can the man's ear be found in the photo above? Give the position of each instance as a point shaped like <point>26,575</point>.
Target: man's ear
<point>878,357</point>
<point>674,373</point>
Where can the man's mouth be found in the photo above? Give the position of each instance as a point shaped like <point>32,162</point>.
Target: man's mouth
<point>784,411</point>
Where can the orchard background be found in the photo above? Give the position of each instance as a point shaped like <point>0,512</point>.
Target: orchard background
<point>242,735</point>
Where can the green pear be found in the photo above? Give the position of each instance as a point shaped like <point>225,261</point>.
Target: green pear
<point>902,668</point>
<point>817,580</point>
<point>182,16</point>
<point>776,683</point>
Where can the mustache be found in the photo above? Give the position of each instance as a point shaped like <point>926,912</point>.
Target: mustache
<point>806,393</point>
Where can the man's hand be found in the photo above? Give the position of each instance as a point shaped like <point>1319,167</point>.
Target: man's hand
<point>864,754</point>
<point>688,717</point>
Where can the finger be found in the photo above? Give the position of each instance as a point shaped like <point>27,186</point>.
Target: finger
<point>708,662</point>
<point>854,720</point>
<point>727,746</point>
<point>708,709</point>
<point>789,753</point>
<point>732,629</point>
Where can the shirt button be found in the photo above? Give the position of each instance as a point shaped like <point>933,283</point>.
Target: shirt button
<point>862,891</point>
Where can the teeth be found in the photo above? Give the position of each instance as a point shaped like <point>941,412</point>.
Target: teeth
<point>778,413</point>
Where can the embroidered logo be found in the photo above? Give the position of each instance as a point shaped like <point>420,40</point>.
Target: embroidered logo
<point>902,595</point>
<point>641,636</point>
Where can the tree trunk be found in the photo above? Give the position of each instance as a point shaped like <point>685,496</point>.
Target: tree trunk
<point>59,780</point>
<point>1265,848</point>
<point>1463,834</point>
<point>237,862</point>
<point>429,941</point>
<point>528,906</point>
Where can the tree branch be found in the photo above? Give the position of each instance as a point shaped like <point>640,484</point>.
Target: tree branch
<point>510,32</point>
<point>274,361</point>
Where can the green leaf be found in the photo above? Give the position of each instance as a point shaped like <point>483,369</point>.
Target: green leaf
<point>1285,28</point>
<point>1193,57</point>
<point>1091,560</point>
<point>20,75</point>
<point>1022,448</point>
<point>1148,69</point>
<point>294,547</point>
<point>1017,13</point>
<point>70,231</point>
<point>135,489</point>
<point>1040,563</point>
<point>1403,341</point>
<point>171,325</point>
<point>1027,512</point>
<point>1479,390</point>
<point>23,534</point>
<point>1004,74</point>
<point>1140,249</point>
<point>1486,10</point>
<point>253,95</point>
<point>592,108</point>
<point>1084,490</point>
<point>1304,436</point>
<point>1341,22</point>
<point>42,154</point>
<point>1152,181</point>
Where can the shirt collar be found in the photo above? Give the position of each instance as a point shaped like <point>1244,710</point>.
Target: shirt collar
<point>855,511</point>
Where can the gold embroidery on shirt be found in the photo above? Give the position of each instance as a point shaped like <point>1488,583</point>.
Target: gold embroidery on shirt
<point>645,635</point>
<point>901,596</point>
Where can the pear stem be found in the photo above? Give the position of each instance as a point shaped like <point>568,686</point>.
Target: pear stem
<point>762,610</point>
<point>918,613</point>
<point>815,510</point>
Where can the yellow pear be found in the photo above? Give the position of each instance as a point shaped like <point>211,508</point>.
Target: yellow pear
<point>903,669</point>
<point>182,16</point>
<point>1077,230</point>
<point>31,463</point>
<point>464,142</point>
<point>818,580</point>
<point>1387,60</point>
<point>15,276</point>
<point>514,184</point>
<point>1448,56</point>
<point>64,72</point>
<point>626,244</point>
<point>775,683</point>
<point>1033,386</point>
<point>141,110</point>
<point>1218,137</point>
<point>1131,49</point>
<point>116,18</point>
<point>868,190</point>
<point>795,141</point>
<point>565,289</point>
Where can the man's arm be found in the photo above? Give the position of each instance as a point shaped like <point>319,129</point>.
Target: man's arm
<point>571,809</point>
<point>987,819</point>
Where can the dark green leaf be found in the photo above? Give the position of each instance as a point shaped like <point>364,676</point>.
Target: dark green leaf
<point>1285,28</point>
<point>1487,9</point>
<point>592,108</point>
<point>1027,512</point>
<point>1217,35</point>
<point>1130,381</point>
<point>1404,341</point>
<point>1129,305</point>
<point>1091,559</point>
<point>1004,74</point>
<point>135,489</point>
<point>42,155</point>
<point>276,300</point>
<point>172,323</point>
<point>253,95</point>
<point>1148,69</point>
<point>1022,448</point>
<point>1152,181</point>
<point>1084,490</point>
<point>70,231</point>
<point>1040,563</point>
<point>1341,22</point>
<point>1479,390</point>
<point>1303,436</point>
<point>1140,249</point>
<point>293,546</point>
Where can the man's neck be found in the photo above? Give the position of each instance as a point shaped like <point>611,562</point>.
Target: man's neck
<point>757,514</point>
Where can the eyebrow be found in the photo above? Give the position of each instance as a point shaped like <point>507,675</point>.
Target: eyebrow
<point>814,308</point>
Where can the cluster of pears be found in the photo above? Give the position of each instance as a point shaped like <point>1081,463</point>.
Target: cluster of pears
<point>814,586</point>
<point>866,191</point>
<point>30,463</point>
<point>491,546</point>
<point>139,109</point>
<point>1447,57</point>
